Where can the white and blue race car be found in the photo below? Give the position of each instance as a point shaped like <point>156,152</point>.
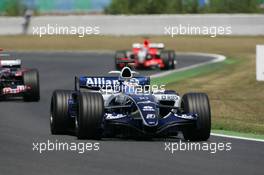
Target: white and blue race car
<point>127,106</point>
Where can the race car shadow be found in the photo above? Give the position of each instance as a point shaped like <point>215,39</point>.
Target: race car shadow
<point>170,139</point>
<point>133,138</point>
<point>14,99</point>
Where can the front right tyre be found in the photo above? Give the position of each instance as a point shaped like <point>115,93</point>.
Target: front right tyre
<point>197,103</point>
<point>118,56</point>
<point>59,118</point>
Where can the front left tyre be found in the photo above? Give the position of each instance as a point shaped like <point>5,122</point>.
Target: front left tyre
<point>31,79</point>
<point>90,115</point>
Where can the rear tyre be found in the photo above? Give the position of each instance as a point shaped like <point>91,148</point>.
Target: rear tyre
<point>59,117</point>
<point>197,103</point>
<point>119,55</point>
<point>173,59</point>
<point>168,58</point>
<point>31,79</point>
<point>90,115</point>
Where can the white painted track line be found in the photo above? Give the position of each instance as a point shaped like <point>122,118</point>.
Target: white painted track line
<point>237,137</point>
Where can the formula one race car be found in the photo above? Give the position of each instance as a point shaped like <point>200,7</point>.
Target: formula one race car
<point>147,55</point>
<point>18,82</point>
<point>127,106</point>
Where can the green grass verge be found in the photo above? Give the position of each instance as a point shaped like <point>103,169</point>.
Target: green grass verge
<point>201,70</point>
<point>218,127</point>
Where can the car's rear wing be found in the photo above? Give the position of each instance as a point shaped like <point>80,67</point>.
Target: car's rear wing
<point>151,45</point>
<point>106,82</point>
<point>10,63</point>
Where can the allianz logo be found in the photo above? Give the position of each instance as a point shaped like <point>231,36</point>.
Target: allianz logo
<point>104,81</point>
<point>100,81</point>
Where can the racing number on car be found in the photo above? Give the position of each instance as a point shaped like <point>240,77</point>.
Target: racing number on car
<point>150,116</point>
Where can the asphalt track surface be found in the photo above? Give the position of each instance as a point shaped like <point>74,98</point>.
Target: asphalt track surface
<point>22,123</point>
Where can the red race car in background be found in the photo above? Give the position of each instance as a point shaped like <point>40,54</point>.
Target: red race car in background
<point>16,81</point>
<point>146,55</point>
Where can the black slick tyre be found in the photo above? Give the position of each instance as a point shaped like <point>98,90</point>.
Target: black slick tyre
<point>197,103</point>
<point>90,115</point>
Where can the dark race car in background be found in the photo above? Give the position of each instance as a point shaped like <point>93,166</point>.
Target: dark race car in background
<point>147,55</point>
<point>110,107</point>
<point>16,81</point>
